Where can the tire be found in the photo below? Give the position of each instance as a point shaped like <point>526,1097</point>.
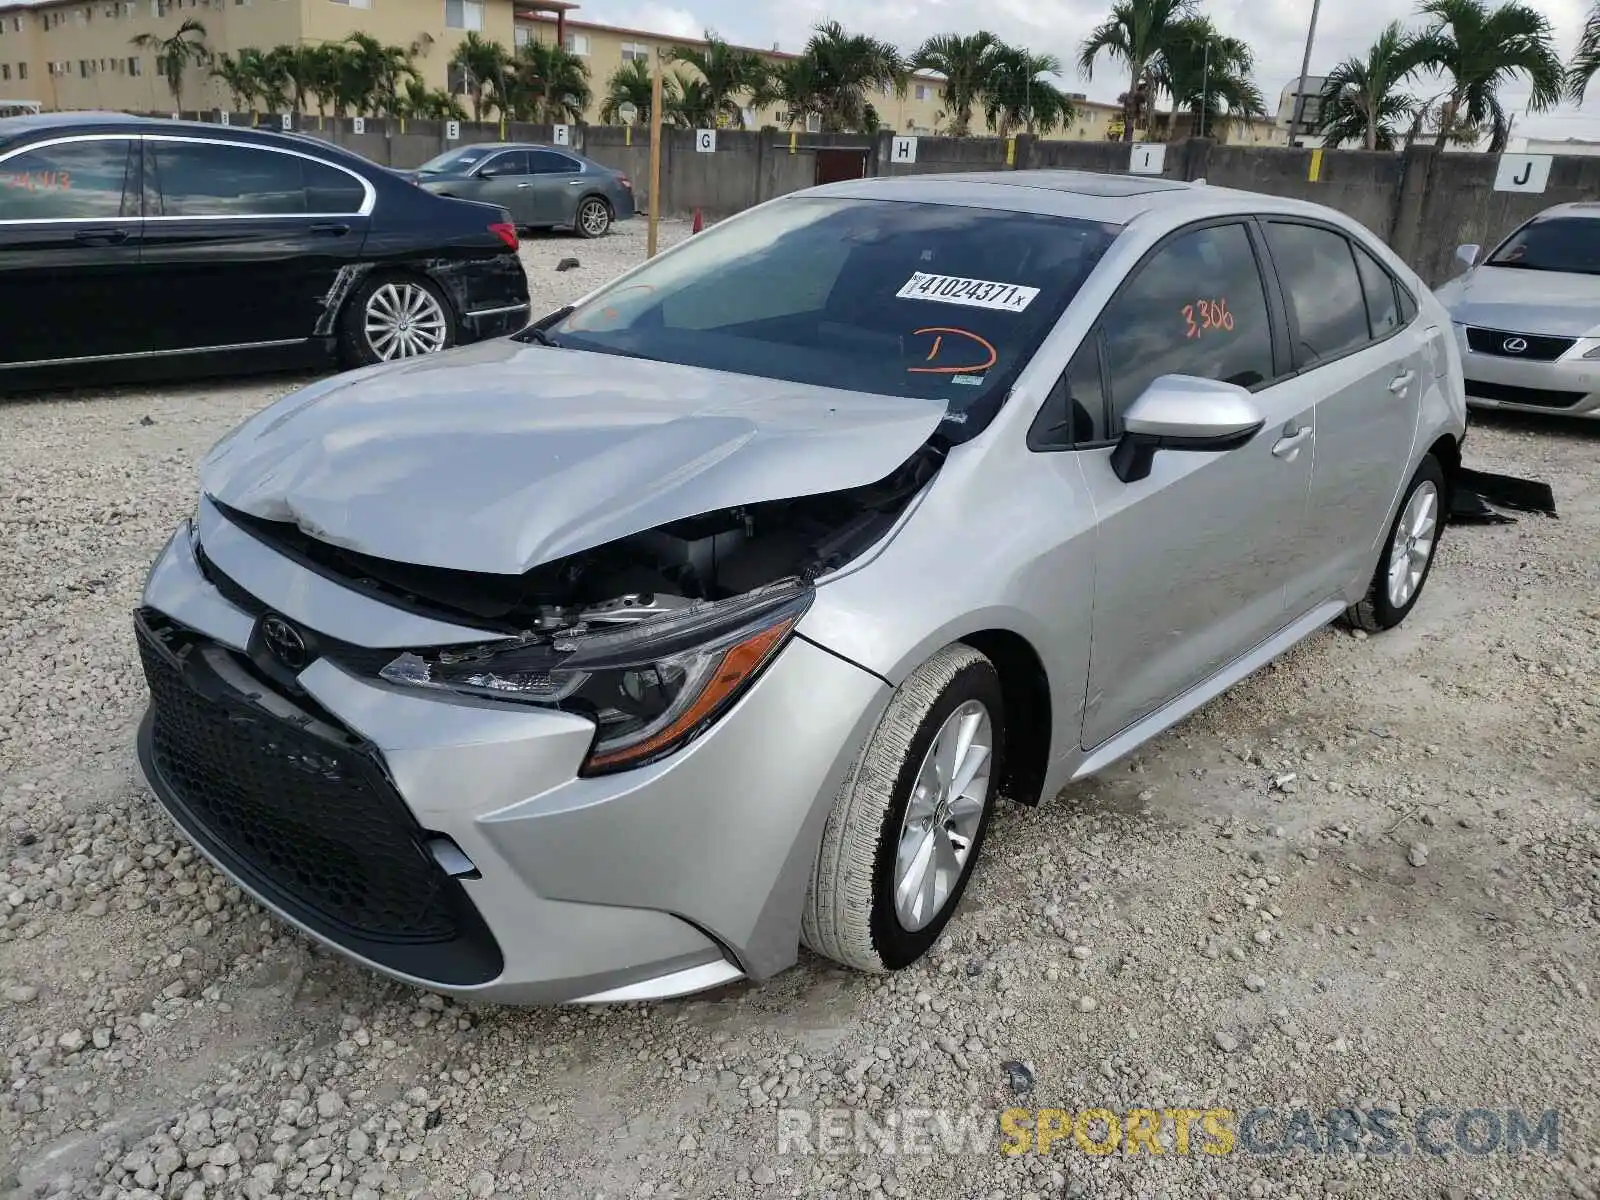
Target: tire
<point>433,325</point>
<point>593,218</point>
<point>850,914</point>
<point>1384,607</point>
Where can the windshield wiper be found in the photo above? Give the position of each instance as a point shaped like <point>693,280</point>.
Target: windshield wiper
<point>537,332</point>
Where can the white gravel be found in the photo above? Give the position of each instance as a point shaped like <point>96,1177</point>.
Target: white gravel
<point>1370,875</point>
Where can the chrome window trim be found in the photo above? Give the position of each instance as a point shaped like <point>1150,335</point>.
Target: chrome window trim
<point>368,192</point>
<point>142,354</point>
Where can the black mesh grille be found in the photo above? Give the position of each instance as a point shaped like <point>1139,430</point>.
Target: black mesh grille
<point>303,807</point>
<point>1508,394</point>
<point>1531,346</point>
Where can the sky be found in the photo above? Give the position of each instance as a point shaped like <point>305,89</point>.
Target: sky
<point>1276,28</point>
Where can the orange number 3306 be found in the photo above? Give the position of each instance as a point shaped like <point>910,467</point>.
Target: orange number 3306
<point>1203,316</point>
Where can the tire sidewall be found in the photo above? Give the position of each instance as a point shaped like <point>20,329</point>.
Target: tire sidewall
<point>1388,615</point>
<point>896,946</point>
<point>354,347</point>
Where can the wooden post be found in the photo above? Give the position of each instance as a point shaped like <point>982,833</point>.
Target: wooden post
<point>655,157</point>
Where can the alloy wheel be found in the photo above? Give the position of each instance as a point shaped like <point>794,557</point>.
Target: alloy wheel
<point>594,217</point>
<point>405,320</point>
<point>1414,539</point>
<point>943,815</point>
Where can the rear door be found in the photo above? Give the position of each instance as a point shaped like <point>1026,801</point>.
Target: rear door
<point>558,184</point>
<point>69,250</point>
<point>245,244</point>
<point>1366,368</point>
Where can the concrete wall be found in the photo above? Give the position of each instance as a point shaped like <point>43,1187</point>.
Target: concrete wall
<point>1422,203</point>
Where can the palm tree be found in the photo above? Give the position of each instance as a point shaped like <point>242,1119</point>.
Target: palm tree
<point>1586,61</point>
<point>175,54</point>
<point>728,73</point>
<point>548,83</point>
<point>795,88</point>
<point>239,76</point>
<point>693,104</point>
<point>373,75</point>
<point>294,72</point>
<point>847,68</point>
<point>1016,97</point>
<point>484,64</point>
<point>1134,35</point>
<point>1478,49</point>
<point>631,83</point>
<point>1360,98</point>
<point>1207,74</point>
<point>967,63</point>
<point>429,104</point>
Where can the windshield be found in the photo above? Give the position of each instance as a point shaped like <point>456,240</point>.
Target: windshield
<point>879,296</point>
<point>1570,244</point>
<point>452,160</point>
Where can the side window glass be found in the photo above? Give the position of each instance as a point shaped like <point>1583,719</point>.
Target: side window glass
<point>205,179</point>
<point>330,190</point>
<point>67,181</point>
<point>512,162</point>
<point>548,162</point>
<point>1408,305</point>
<point>1383,307</point>
<point>1321,288</point>
<point>1074,414</point>
<point>1198,307</point>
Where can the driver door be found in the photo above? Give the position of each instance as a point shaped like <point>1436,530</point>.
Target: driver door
<point>504,180</point>
<point>1194,563</point>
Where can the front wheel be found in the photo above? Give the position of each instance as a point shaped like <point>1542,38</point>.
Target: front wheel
<point>395,316</point>
<point>1407,556</point>
<point>593,218</point>
<point>906,830</point>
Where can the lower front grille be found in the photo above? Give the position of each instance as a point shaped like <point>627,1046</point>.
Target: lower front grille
<point>1534,397</point>
<point>301,811</point>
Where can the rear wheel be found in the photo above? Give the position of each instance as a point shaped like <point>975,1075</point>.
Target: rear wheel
<point>593,218</point>
<point>1407,557</point>
<point>395,316</point>
<point>906,830</point>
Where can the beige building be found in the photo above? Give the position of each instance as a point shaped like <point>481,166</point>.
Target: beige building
<point>80,54</point>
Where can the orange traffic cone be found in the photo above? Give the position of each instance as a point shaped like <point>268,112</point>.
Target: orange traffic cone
<point>699,222</point>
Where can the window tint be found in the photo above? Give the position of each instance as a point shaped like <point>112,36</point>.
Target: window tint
<point>1383,312</point>
<point>201,179</point>
<point>512,162</point>
<point>548,162</point>
<point>1408,305</point>
<point>1568,244</point>
<point>1198,307</point>
<point>1321,288</point>
<point>1074,414</point>
<point>81,180</point>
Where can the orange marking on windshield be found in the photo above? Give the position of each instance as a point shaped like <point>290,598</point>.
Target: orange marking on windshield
<point>938,343</point>
<point>608,312</point>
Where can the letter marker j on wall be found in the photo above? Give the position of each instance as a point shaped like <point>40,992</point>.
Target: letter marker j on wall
<point>1522,173</point>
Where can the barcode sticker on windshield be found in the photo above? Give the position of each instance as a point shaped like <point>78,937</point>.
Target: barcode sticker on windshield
<point>974,293</point>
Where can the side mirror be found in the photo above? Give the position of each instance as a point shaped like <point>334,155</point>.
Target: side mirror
<point>1468,255</point>
<point>1182,412</point>
<point>487,173</point>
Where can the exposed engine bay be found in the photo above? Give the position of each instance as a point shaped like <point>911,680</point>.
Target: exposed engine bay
<point>658,572</point>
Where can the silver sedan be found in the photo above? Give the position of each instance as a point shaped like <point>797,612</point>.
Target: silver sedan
<point>714,615</point>
<point>1527,315</point>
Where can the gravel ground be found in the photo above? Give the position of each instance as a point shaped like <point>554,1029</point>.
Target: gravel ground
<point>1370,876</point>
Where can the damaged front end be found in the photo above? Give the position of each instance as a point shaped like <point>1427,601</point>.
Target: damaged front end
<point>652,637</point>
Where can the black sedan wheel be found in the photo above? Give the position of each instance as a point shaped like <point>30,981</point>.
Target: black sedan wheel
<point>396,316</point>
<point>593,219</point>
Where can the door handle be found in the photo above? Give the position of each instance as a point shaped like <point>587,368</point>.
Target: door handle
<point>101,237</point>
<point>1401,382</point>
<point>574,183</point>
<point>1289,444</point>
<point>331,229</point>
<point>523,185</point>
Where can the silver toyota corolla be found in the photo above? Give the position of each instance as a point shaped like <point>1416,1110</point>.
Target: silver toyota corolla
<point>713,616</point>
<point>1528,317</point>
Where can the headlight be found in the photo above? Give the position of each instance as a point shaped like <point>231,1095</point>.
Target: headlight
<point>649,688</point>
<point>1594,353</point>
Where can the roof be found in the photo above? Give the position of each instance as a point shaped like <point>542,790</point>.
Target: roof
<point>111,122</point>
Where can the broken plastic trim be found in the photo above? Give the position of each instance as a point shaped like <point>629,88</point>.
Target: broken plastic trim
<point>649,687</point>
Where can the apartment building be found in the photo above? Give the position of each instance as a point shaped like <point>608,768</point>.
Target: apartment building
<point>81,54</point>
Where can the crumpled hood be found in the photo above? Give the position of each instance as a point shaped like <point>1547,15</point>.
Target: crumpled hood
<point>503,456</point>
<point>1524,301</point>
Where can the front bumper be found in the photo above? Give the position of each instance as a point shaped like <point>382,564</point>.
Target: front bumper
<point>679,875</point>
<point>1568,386</point>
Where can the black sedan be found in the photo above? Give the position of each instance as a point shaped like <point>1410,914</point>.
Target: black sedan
<point>130,246</point>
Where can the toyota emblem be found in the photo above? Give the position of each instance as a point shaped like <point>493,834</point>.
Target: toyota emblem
<point>284,642</point>
<point>1514,345</point>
